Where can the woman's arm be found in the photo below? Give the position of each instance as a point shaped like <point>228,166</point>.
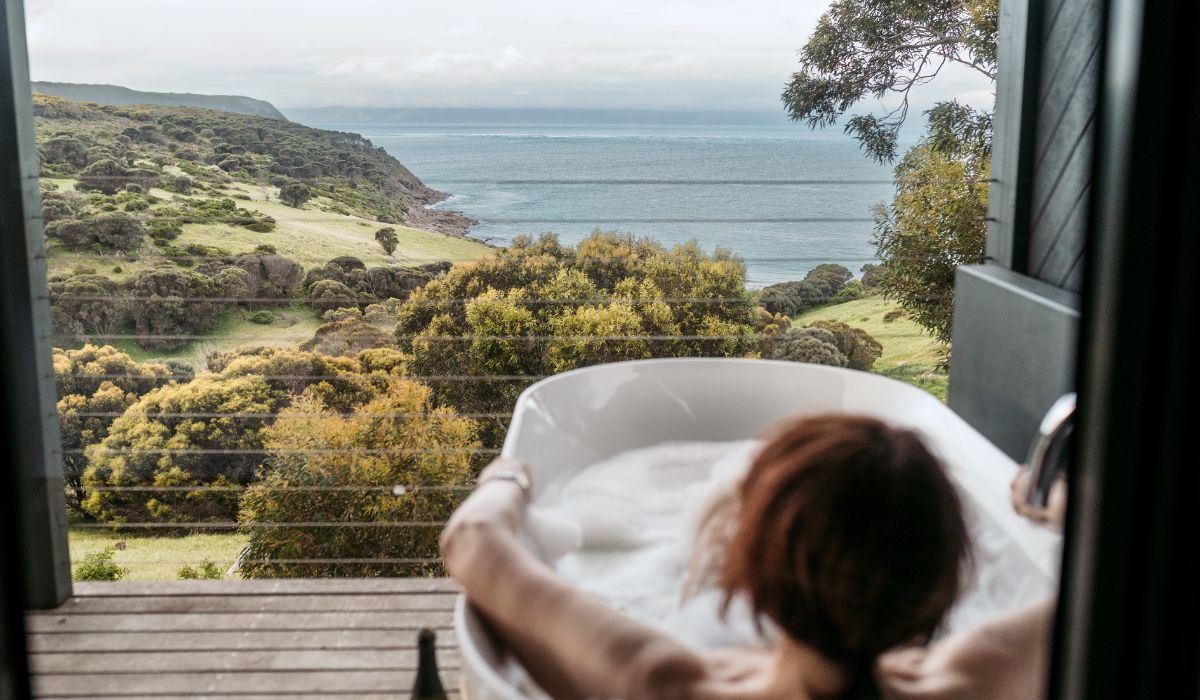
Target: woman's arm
<point>573,644</point>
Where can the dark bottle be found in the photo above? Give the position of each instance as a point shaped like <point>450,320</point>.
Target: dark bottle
<point>428,685</point>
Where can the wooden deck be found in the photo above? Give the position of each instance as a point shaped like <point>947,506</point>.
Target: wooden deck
<point>242,639</point>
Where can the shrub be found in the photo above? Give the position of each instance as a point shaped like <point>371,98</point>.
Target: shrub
<point>269,276</point>
<point>64,149</point>
<point>164,451</point>
<point>853,290</point>
<point>99,566</point>
<point>161,442</point>
<point>892,315</point>
<point>108,176</point>
<point>182,184</point>
<point>411,424</point>
<point>346,336</point>
<point>493,316</point>
<point>57,206</point>
<point>859,348</point>
<point>86,305</point>
<point>94,385</point>
<point>327,295</point>
<point>174,302</point>
<point>820,286</point>
<point>295,194</point>
<point>206,569</point>
<point>262,317</point>
<point>115,231</point>
<point>164,230</point>
<point>812,345</point>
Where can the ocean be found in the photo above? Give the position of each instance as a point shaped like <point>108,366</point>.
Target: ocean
<point>781,196</point>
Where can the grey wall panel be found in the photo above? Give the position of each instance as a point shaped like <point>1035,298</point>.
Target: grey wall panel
<point>1014,353</point>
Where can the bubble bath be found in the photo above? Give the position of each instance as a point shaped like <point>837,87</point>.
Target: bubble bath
<point>625,529</point>
<point>635,518</point>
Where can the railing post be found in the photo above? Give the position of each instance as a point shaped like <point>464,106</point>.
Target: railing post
<point>32,448</point>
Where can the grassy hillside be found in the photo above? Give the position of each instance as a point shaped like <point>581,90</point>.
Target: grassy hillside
<point>909,354</point>
<point>311,235</point>
<point>152,211</point>
<point>216,148</point>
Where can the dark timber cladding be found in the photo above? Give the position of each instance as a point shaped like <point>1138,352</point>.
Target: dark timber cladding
<point>1063,141</point>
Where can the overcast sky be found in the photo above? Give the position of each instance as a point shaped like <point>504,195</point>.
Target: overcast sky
<point>653,54</point>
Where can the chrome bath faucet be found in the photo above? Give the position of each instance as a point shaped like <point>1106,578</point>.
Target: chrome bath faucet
<point>1047,456</point>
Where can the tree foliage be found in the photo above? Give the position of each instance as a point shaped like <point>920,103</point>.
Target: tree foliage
<point>936,222</point>
<point>869,49</point>
<point>873,49</point>
<point>539,307</point>
<point>387,239</point>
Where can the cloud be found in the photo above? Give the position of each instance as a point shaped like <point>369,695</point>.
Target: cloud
<point>620,53</point>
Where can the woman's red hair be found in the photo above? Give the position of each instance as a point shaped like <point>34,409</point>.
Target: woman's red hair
<point>849,536</point>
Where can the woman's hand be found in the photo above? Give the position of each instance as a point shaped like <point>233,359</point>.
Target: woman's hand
<point>1055,512</point>
<point>1004,659</point>
<point>494,508</point>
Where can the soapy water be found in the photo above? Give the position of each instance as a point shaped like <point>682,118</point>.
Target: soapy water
<point>635,518</point>
<point>625,529</point>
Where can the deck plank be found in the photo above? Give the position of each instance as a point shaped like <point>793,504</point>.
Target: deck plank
<point>235,660</point>
<point>82,642</point>
<point>283,586</point>
<point>190,604</point>
<point>251,639</point>
<point>357,695</point>
<point>181,684</point>
<point>149,622</point>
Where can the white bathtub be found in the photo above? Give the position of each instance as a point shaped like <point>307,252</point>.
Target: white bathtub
<point>574,419</point>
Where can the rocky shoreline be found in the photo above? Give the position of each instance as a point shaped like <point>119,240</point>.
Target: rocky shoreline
<point>450,223</point>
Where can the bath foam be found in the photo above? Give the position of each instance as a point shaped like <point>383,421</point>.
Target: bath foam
<point>637,515</point>
<point>625,529</point>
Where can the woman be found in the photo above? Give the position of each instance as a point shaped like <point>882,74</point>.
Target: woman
<point>847,537</point>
